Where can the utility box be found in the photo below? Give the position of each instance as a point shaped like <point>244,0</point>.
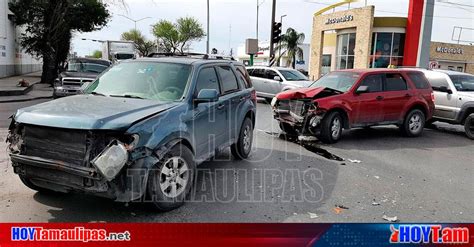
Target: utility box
<point>251,46</point>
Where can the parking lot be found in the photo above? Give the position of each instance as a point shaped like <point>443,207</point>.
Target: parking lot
<point>426,179</point>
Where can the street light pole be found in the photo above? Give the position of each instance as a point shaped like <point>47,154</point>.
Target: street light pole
<point>279,43</point>
<point>258,13</point>
<point>208,20</point>
<point>135,21</point>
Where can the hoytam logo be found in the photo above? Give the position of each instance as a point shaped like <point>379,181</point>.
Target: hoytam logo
<point>76,234</point>
<point>435,234</point>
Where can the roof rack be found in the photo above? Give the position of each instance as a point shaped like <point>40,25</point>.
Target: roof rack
<point>195,55</point>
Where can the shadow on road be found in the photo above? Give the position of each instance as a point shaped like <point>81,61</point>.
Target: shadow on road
<point>266,188</point>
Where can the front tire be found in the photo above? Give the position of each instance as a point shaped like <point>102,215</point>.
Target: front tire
<point>331,128</point>
<point>172,178</point>
<point>413,124</point>
<point>241,150</point>
<point>469,126</point>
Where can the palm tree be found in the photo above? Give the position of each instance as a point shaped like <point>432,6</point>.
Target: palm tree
<point>290,44</point>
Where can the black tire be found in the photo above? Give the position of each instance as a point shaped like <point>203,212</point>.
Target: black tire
<point>164,199</point>
<point>414,123</point>
<point>241,150</point>
<point>469,126</point>
<point>26,181</point>
<point>331,128</point>
<point>288,129</point>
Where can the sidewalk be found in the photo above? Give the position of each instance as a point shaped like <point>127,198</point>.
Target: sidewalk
<point>10,92</point>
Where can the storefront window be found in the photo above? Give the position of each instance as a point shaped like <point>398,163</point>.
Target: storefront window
<point>387,49</point>
<point>345,51</point>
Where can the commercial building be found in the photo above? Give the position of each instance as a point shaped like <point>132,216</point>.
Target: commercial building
<point>13,61</point>
<point>355,38</point>
<point>263,56</point>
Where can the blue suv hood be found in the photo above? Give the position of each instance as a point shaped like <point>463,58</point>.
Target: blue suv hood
<point>91,112</point>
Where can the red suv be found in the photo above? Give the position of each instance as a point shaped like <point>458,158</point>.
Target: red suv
<point>356,98</point>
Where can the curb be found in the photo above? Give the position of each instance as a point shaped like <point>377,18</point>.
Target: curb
<point>25,100</point>
<point>25,91</point>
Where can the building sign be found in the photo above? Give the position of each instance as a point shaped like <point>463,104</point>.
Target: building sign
<point>345,18</point>
<point>449,50</point>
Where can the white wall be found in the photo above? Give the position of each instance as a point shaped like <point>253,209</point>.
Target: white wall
<point>13,61</point>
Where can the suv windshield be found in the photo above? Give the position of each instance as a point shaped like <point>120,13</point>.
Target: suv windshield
<point>147,80</point>
<point>463,82</point>
<point>340,81</point>
<point>293,75</point>
<point>86,67</point>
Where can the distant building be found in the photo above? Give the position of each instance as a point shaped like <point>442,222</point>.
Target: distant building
<point>13,61</point>
<point>262,59</point>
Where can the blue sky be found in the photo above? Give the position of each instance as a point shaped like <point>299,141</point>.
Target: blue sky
<point>232,21</point>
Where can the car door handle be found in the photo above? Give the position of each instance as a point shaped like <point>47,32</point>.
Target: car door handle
<point>220,106</point>
<point>379,98</point>
<point>408,95</point>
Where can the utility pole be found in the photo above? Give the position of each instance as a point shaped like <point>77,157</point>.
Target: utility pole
<point>207,46</point>
<point>258,13</point>
<point>272,51</point>
<point>279,43</point>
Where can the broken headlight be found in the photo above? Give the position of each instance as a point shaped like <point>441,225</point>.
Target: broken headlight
<point>111,160</point>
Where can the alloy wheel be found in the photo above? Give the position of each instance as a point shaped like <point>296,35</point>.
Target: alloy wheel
<point>174,177</point>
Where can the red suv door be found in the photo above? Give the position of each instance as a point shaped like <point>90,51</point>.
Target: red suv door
<point>369,106</point>
<point>396,96</point>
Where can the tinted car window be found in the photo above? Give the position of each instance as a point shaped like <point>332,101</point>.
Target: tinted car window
<point>258,73</point>
<point>271,74</point>
<point>374,82</point>
<point>229,81</point>
<point>244,76</point>
<point>436,80</point>
<point>419,80</point>
<point>395,82</point>
<point>207,79</point>
<point>463,82</point>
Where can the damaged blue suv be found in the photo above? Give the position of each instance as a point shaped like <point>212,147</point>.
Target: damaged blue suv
<point>139,131</point>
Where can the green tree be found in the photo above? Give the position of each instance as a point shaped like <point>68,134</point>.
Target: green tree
<point>290,44</point>
<point>173,37</point>
<point>49,26</point>
<point>97,54</point>
<point>143,46</point>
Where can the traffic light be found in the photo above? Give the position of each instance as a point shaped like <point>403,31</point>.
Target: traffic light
<point>276,32</point>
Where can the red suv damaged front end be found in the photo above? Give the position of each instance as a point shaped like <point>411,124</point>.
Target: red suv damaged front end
<point>356,98</point>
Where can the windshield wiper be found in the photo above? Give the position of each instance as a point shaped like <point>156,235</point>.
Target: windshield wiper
<point>127,96</point>
<point>99,94</point>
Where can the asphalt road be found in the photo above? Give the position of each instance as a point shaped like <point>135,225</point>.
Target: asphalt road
<point>426,179</point>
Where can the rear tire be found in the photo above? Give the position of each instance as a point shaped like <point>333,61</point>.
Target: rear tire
<point>171,179</point>
<point>413,124</point>
<point>241,150</point>
<point>469,126</point>
<point>331,128</point>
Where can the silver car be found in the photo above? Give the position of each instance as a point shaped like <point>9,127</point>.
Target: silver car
<point>268,82</point>
<point>454,98</point>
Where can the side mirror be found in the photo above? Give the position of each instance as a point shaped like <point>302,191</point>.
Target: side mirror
<point>362,89</point>
<point>206,96</point>
<point>277,78</point>
<point>445,89</point>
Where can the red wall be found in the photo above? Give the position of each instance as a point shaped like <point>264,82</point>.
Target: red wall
<point>412,40</point>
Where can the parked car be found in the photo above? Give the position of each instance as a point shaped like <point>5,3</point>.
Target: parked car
<point>139,131</point>
<point>79,71</point>
<point>269,81</point>
<point>454,98</point>
<point>356,98</point>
